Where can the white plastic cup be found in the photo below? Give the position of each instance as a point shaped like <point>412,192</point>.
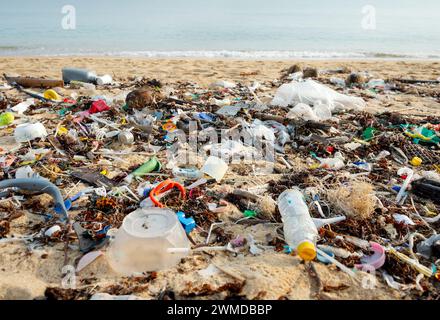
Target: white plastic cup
<point>143,241</point>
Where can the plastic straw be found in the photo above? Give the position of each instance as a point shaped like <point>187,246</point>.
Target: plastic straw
<point>337,263</point>
<point>188,250</point>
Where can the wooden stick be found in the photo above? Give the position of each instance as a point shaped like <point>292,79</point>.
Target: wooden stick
<point>28,82</point>
<point>413,81</point>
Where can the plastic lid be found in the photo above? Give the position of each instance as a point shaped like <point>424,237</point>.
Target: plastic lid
<point>416,161</point>
<point>150,223</point>
<point>306,250</point>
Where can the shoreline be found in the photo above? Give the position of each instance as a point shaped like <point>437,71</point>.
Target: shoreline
<point>272,59</point>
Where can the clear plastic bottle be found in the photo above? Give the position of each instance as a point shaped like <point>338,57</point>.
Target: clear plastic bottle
<point>76,74</point>
<point>300,231</point>
<point>187,173</point>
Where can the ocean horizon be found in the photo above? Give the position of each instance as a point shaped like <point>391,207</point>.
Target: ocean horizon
<point>241,29</point>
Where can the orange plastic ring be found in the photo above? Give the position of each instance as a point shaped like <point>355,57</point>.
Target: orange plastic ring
<point>164,186</point>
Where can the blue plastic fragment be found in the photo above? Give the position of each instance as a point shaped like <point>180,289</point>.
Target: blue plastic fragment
<point>146,192</point>
<point>58,208</point>
<point>168,138</point>
<point>158,115</point>
<point>104,230</point>
<point>47,217</point>
<point>324,259</point>
<point>287,249</point>
<point>205,116</point>
<point>67,203</point>
<point>76,196</point>
<point>187,223</point>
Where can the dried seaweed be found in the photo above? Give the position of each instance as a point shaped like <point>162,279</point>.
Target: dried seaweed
<point>232,288</point>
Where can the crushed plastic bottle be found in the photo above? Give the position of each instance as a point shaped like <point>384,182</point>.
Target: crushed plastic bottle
<point>187,173</point>
<point>338,82</point>
<point>376,84</point>
<point>300,231</point>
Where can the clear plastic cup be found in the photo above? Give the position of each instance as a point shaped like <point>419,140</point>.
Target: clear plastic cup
<point>142,243</point>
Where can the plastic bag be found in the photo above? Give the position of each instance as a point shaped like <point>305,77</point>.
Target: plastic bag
<point>229,148</point>
<point>320,112</point>
<point>335,163</point>
<point>29,131</point>
<point>310,92</point>
<point>302,111</point>
<point>23,106</point>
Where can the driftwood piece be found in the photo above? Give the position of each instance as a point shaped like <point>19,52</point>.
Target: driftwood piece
<point>414,81</point>
<point>28,82</point>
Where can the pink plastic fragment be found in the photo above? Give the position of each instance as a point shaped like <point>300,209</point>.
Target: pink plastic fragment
<point>376,260</point>
<point>239,241</point>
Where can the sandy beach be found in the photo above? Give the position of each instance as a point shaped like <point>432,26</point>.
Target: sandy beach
<point>205,71</point>
<point>26,275</point>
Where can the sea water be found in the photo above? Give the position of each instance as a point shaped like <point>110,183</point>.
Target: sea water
<point>279,29</point>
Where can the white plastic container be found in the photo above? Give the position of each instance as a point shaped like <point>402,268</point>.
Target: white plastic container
<point>143,241</point>
<point>300,231</point>
<point>105,79</point>
<point>322,111</point>
<point>302,111</point>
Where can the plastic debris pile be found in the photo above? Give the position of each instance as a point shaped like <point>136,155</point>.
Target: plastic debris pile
<point>140,172</point>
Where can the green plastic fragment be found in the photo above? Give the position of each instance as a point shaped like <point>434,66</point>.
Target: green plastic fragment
<point>422,134</point>
<point>249,213</point>
<point>63,111</point>
<point>151,165</point>
<point>368,133</point>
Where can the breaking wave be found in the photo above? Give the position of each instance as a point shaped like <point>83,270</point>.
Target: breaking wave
<point>220,54</point>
